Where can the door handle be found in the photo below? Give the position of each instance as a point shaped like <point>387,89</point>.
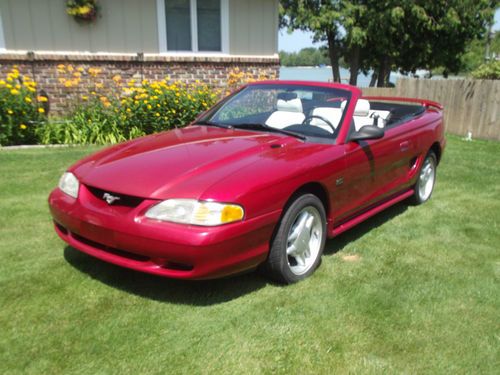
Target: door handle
<point>404,146</point>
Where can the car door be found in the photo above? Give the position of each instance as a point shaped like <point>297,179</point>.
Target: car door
<point>375,169</point>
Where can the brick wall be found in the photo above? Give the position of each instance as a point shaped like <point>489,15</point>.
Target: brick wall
<point>43,68</point>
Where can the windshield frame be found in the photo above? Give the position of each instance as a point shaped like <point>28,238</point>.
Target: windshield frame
<point>349,92</point>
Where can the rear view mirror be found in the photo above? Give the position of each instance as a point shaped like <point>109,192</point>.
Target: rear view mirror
<point>367,132</point>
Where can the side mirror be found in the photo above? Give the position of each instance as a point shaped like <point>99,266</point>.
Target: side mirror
<point>367,132</point>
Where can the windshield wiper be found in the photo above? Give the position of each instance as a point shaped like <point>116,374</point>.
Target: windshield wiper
<point>259,126</point>
<point>213,123</point>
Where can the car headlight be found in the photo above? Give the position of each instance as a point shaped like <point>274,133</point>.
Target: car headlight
<point>69,184</point>
<point>191,211</point>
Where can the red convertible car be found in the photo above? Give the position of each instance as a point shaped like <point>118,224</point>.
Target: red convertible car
<point>260,180</point>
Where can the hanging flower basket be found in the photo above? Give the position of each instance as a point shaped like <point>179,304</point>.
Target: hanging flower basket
<point>82,10</point>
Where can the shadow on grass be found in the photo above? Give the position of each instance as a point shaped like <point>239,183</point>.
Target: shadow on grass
<point>208,292</point>
<point>338,243</point>
<point>197,293</point>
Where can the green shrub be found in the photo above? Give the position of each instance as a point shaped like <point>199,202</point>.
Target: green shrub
<point>20,110</point>
<point>490,70</point>
<point>127,111</point>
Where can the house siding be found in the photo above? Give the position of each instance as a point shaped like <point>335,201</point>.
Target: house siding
<point>127,26</point>
<point>43,25</point>
<point>253,27</point>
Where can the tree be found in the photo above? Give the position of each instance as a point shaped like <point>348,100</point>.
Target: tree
<point>392,34</point>
<point>322,18</point>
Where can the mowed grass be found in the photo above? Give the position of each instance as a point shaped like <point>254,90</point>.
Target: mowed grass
<point>413,290</point>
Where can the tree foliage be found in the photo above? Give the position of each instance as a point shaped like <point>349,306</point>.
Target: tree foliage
<point>305,57</point>
<point>490,70</point>
<point>387,35</point>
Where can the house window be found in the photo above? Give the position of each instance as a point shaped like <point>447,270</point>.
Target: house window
<point>193,25</point>
<point>178,15</point>
<point>209,20</point>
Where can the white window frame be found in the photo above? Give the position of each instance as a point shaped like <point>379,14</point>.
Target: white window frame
<point>162,29</point>
<point>2,38</point>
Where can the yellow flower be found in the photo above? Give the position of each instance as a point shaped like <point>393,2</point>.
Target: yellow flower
<point>129,110</point>
<point>10,111</point>
<point>27,99</point>
<point>85,97</point>
<point>83,10</point>
<point>117,78</point>
<point>68,84</point>
<point>41,110</point>
<point>31,89</point>
<point>70,68</point>
<point>42,99</point>
<point>22,126</point>
<point>80,69</point>
<point>77,74</point>
<point>14,92</point>
<point>61,66</point>
<point>99,85</point>
<point>149,106</point>
<point>94,71</point>
<point>2,83</point>
<point>157,114</point>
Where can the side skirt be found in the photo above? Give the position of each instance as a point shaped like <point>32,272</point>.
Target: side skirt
<point>371,212</point>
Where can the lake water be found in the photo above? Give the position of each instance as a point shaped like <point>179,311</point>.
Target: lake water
<point>322,74</point>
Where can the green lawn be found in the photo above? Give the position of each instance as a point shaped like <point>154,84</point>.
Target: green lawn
<point>413,290</point>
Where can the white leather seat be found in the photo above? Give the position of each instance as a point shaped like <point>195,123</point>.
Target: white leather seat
<point>288,112</point>
<point>329,113</point>
<point>361,115</point>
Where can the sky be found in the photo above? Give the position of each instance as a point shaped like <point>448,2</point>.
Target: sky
<point>297,40</point>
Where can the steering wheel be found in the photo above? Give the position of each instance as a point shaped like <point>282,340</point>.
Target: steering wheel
<point>308,119</point>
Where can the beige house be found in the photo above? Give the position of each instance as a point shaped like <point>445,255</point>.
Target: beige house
<point>184,39</point>
<point>227,27</point>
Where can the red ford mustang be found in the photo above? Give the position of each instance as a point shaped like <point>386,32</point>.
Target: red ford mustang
<point>261,179</point>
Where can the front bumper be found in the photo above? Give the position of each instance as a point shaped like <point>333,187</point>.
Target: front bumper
<point>123,236</point>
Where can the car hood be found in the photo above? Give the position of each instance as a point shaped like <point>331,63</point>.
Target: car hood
<point>181,163</point>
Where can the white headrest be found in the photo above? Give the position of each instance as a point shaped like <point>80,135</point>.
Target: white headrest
<point>362,107</point>
<point>293,105</point>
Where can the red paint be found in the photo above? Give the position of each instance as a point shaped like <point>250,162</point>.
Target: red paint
<point>238,166</point>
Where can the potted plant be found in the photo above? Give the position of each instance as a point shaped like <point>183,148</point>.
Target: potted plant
<point>82,10</point>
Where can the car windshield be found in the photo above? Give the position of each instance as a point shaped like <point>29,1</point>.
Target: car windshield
<point>300,110</point>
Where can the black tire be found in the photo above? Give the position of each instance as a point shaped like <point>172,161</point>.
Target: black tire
<point>279,265</point>
<point>422,192</point>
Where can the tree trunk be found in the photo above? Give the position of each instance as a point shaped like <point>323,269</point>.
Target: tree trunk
<point>334,53</point>
<point>354,66</point>
<point>382,72</point>
<point>373,81</point>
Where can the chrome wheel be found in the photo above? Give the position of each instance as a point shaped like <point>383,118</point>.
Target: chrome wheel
<point>426,179</point>
<point>304,240</point>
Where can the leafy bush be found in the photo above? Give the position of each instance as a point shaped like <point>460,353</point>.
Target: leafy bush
<point>20,109</point>
<point>100,114</point>
<point>127,111</point>
<point>490,70</point>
